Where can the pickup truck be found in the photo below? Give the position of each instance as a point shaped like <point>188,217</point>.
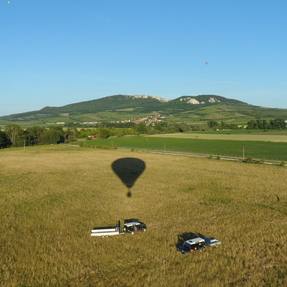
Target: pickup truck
<point>130,226</point>
<point>133,225</point>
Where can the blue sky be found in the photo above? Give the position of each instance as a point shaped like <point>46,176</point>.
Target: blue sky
<point>58,52</point>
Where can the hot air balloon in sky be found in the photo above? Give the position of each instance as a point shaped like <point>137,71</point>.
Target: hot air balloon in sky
<point>128,170</point>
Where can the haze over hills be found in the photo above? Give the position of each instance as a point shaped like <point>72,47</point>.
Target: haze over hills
<point>190,109</point>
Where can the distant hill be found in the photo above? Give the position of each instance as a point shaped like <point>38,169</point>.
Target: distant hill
<point>193,109</point>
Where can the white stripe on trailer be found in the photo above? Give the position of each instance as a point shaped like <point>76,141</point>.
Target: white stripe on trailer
<point>104,230</point>
<point>105,233</point>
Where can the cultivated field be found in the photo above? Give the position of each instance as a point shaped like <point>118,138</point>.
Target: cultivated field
<point>253,149</point>
<point>234,137</point>
<point>50,198</point>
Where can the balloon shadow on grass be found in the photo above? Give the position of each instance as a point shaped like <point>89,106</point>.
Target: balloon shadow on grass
<point>128,170</point>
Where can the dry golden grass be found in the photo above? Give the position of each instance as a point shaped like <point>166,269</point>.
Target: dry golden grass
<point>50,198</point>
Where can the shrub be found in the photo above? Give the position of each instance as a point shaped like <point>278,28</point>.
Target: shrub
<point>103,133</point>
<point>247,160</point>
<point>4,140</point>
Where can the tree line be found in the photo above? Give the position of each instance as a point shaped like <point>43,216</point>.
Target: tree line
<point>276,124</point>
<point>16,136</point>
<point>142,128</point>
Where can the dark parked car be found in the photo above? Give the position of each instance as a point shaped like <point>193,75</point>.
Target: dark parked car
<point>188,242</point>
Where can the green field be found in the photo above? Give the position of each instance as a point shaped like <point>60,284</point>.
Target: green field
<point>266,137</point>
<point>253,149</point>
<point>50,198</point>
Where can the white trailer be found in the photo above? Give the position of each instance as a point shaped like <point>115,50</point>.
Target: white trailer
<point>130,226</point>
<point>106,231</point>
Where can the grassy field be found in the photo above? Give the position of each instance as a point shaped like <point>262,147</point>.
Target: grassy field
<point>253,149</point>
<point>50,198</point>
<point>232,136</point>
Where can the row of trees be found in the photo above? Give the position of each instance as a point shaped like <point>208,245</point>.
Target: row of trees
<point>14,135</point>
<point>105,132</point>
<point>276,124</point>
<point>264,124</point>
<point>222,125</point>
